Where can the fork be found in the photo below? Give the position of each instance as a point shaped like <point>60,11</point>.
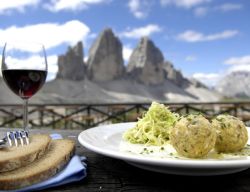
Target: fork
<point>14,138</point>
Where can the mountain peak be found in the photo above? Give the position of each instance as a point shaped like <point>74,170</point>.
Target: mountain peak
<point>107,31</point>
<point>146,63</point>
<point>71,65</point>
<point>105,61</point>
<point>229,88</point>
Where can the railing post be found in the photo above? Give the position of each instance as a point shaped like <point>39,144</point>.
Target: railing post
<point>235,110</point>
<point>88,114</point>
<point>137,109</point>
<point>186,106</point>
<point>41,116</point>
<point>124,115</point>
<point>53,119</point>
<point>65,120</point>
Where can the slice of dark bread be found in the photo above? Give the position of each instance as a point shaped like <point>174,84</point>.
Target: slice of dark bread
<point>55,158</point>
<point>15,157</point>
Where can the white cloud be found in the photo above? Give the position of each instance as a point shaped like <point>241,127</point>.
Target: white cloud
<point>190,58</point>
<point>235,68</point>
<point>52,67</point>
<point>52,63</point>
<point>49,34</point>
<point>140,8</point>
<point>194,36</point>
<point>235,64</point>
<point>31,63</point>
<point>200,11</point>
<point>85,59</point>
<point>72,5</point>
<point>141,31</point>
<point>19,5</point>
<point>126,52</point>
<point>0,65</point>
<point>245,60</point>
<point>229,7</point>
<point>238,63</point>
<point>205,75</point>
<point>183,3</point>
<point>209,79</point>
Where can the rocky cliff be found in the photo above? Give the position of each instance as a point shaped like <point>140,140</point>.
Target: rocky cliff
<point>228,86</point>
<point>105,63</point>
<point>146,63</point>
<point>174,75</point>
<point>71,65</point>
<point>105,60</point>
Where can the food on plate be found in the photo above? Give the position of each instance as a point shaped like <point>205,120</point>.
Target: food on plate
<point>15,157</point>
<point>232,134</point>
<point>193,136</point>
<point>154,127</point>
<point>49,164</point>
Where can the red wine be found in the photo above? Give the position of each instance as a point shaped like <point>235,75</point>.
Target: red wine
<point>24,82</point>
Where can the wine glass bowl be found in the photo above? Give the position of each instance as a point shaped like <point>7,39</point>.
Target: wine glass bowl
<point>23,82</point>
<point>24,70</point>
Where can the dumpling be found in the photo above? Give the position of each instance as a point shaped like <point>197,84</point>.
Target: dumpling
<point>193,136</point>
<point>232,134</point>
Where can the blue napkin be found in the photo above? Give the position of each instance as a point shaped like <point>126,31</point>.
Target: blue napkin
<point>74,171</point>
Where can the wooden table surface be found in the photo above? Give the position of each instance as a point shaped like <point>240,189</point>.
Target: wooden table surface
<point>108,174</point>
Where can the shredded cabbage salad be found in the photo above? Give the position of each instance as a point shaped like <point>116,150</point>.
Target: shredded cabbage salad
<point>154,127</point>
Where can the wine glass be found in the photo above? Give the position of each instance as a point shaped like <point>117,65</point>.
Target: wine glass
<point>24,70</point>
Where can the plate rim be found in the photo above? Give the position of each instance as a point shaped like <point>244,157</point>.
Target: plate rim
<point>166,162</point>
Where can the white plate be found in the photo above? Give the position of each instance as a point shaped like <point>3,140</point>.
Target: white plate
<point>106,140</point>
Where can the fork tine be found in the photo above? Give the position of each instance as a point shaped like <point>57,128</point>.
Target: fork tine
<point>27,140</point>
<point>9,138</point>
<point>25,135</point>
<point>12,138</point>
<point>15,138</point>
<point>19,133</point>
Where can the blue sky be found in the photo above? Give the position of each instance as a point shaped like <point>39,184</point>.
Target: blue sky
<point>205,39</point>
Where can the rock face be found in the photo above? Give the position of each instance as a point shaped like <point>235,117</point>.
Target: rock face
<point>174,75</point>
<point>228,86</point>
<point>197,83</point>
<point>146,63</point>
<point>71,65</point>
<point>105,60</point>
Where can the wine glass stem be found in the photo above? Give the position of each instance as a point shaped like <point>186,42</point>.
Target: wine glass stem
<point>25,114</point>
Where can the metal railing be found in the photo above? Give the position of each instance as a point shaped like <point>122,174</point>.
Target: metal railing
<point>81,116</point>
